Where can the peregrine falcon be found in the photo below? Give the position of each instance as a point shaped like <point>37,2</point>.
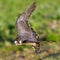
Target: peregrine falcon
<point>26,34</point>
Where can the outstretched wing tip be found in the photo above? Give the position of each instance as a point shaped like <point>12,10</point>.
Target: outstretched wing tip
<point>27,13</point>
<point>34,4</point>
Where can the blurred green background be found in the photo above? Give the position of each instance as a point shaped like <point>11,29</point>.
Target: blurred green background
<point>45,21</point>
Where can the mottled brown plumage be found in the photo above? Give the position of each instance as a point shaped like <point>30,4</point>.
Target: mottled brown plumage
<point>25,33</point>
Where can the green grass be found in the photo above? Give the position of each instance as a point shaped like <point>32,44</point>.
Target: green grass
<point>45,13</point>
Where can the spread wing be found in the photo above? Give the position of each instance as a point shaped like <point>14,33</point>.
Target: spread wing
<point>24,30</point>
<point>22,22</point>
<point>27,13</point>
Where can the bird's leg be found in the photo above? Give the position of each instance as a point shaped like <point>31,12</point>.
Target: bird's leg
<point>37,48</point>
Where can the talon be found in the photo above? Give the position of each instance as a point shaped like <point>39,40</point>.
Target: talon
<point>37,48</point>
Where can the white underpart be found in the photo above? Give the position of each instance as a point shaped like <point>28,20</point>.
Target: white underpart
<point>15,42</point>
<point>20,42</point>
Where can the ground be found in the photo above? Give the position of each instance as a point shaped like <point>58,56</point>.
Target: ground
<point>49,51</point>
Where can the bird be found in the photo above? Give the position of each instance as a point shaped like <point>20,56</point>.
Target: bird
<point>25,33</point>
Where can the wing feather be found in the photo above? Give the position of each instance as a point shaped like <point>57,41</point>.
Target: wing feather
<point>24,30</point>
<point>25,15</point>
<point>22,22</point>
